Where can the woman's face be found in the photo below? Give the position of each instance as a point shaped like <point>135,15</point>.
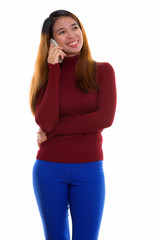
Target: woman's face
<point>67,34</point>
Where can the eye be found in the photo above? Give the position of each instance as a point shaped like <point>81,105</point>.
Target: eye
<point>61,32</point>
<point>75,27</point>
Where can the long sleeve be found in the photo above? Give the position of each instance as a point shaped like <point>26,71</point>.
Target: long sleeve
<point>47,103</point>
<point>104,115</point>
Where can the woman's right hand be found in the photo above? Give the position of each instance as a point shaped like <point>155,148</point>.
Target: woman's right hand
<point>41,137</point>
<point>54,54</point>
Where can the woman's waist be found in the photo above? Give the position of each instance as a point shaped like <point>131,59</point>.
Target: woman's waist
<point>73,140</point>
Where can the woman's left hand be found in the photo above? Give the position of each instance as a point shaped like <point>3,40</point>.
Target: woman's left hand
<point>41,137</point>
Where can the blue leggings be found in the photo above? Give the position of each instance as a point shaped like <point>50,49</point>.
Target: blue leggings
<point>78,186</point>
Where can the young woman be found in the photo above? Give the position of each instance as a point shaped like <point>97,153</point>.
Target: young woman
<point>72,102</point>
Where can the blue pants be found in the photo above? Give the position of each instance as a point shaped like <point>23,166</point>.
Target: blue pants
<point>78,186</point>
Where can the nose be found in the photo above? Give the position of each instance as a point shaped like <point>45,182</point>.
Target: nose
<point>71,34</point>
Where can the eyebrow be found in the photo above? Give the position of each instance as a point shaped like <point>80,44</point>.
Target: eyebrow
<point>64,28</point>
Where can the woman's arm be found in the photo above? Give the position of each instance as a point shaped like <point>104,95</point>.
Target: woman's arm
<point>47,104</point>
<point>94,121</point>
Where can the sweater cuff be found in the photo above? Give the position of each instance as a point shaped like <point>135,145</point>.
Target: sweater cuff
<point>52,66</point>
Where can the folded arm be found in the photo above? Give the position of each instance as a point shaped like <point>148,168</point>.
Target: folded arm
<point>104,115</point>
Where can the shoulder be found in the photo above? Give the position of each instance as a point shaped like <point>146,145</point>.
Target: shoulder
<point>104,66</point>
<point>105,70</point>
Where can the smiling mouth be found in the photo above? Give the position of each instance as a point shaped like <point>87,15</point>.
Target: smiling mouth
<point>73,43</point>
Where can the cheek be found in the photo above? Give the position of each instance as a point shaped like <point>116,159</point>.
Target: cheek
<point>60,41</point>
<point>81,37</point>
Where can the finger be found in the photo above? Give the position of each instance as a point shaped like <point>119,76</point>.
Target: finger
<point>60,53</point>
<point>54,48</point>
<point>39,130</point>
<point>62,56</point>
<point>39,143</point>
<point>54,51</point>
<point>39,134</point>
<point>38,139</point>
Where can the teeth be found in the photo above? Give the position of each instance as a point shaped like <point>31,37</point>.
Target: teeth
<point>73,43</point>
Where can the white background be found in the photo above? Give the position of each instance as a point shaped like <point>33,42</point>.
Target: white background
<point>126,34</point>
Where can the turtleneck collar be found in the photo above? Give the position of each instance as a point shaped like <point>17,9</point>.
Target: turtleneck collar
<point>69,61</point>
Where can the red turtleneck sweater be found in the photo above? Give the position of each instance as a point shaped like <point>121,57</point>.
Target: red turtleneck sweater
<point>73,120</point>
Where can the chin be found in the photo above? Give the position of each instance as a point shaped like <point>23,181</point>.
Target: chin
<point>72,53</point>
<point>76,51</point>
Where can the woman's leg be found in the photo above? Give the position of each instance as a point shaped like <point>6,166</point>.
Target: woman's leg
<point>86,199</point>
<point>51,192</point>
